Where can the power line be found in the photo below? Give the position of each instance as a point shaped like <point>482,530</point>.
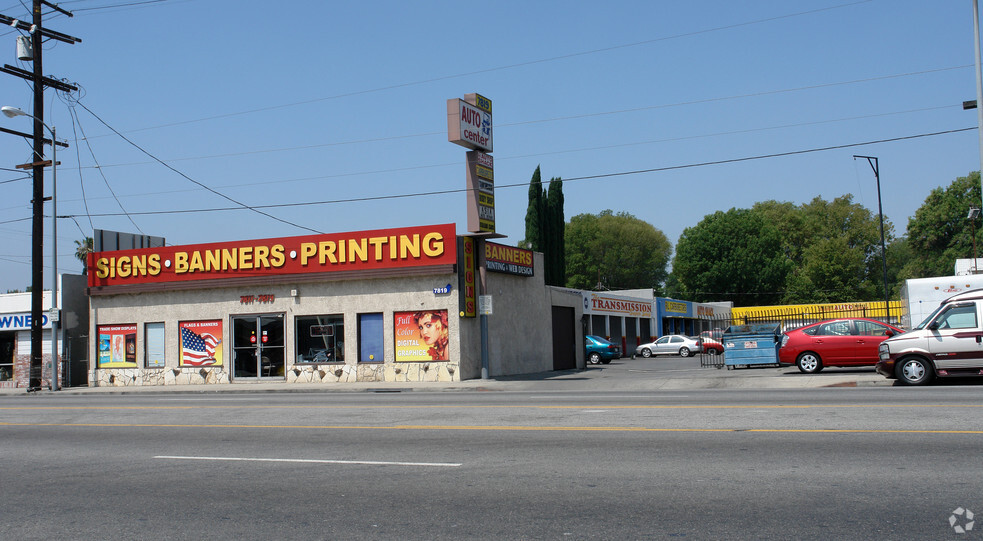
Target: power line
<point>508,66</point>
<point>565,180</point>
<point>155,158</point>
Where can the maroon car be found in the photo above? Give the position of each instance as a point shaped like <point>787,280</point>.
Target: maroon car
<point>835,342</point>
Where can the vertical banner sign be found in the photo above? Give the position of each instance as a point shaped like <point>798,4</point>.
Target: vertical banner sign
<point>481,192</point>
<point>117,346</point>
<point>421,336</point>
<point>201,343</point>
<point>466,277</point>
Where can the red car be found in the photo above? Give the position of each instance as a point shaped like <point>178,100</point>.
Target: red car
<point>836,342</point>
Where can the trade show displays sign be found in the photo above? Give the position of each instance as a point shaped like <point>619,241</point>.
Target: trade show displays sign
<point>421,336</point>
<point>357,251</point>
<point>508,259</point>
<point>201,343</point>
<point>117,346</point>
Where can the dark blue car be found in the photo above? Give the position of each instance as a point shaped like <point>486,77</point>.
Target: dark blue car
<point>600,350</point>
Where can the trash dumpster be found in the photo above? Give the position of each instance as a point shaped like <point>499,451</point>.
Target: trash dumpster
<point>751,345</point>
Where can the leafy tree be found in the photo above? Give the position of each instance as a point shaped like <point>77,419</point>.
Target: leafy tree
<point>939,232</point>
<point>734,256</point>
<point>839,254</point>
<point>615,251</point>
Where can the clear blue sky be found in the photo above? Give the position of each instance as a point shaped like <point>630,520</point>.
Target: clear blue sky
<point>339,103</point>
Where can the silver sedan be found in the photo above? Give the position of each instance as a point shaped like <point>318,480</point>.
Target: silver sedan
<point>670,344</point>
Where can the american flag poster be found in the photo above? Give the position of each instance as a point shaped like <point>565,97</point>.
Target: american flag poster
<point>201,343</point>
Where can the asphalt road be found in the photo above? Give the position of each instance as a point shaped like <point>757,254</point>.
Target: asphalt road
<point>824,463</point>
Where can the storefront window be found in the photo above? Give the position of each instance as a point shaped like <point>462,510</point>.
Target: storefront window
<point>320,339</point>
<point>6,357</point>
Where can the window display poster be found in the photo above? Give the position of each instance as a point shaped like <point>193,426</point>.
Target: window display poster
<point>117,346</point>
<point>201,343</point>
<point>421,336</point>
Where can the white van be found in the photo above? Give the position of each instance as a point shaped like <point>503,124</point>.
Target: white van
<point>948,343</point>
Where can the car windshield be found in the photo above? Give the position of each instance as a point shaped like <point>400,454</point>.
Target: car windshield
<point>599,340</point>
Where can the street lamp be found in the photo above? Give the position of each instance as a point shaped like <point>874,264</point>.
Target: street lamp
<point>974,213</point>
<point>880,210</point>
<point>11,112</point>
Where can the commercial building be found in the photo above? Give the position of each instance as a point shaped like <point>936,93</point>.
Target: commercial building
<point>15,335</point>
<point>377,306</point>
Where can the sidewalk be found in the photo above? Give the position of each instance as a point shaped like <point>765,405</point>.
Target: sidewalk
<point>594,378</point>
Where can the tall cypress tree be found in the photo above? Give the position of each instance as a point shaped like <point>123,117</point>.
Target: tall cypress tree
<point>557,251</point>
<point>545,227</point>
<point>534,225</point>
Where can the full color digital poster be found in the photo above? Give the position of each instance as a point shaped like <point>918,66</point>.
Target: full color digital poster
<point>201,343</point>
<point>421,336</point>
<point>117,346</point>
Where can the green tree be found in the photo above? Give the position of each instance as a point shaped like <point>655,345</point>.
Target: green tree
<point>615,251</point>
<point>557,232</point>
<point>82,249</point>
<point>939,233</point>
<point>545,227</point>
<point>732,256</point>
<point>838,254</point>
<point>534,211</point>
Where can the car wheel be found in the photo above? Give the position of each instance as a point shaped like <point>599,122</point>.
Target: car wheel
<point>594,358</point>
<point>914,371</point>
<point>646,353</point>
<point>684,352</point>
<point>712,351</point>
<point>809,363</point>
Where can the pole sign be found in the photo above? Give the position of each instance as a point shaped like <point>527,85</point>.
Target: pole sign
<point>469,122</point>
<point>481,192</point>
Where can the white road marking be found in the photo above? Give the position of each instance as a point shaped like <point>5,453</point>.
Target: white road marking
<point>312,461</point>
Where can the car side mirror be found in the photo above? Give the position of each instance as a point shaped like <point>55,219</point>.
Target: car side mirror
<point>934,326</point>
<point>889,333</point>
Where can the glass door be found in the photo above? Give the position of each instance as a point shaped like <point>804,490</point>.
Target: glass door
<point>258,346</point>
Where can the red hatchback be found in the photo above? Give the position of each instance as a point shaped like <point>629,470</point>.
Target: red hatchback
<point>836,342</point>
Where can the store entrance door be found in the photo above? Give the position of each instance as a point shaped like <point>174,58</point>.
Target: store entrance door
<point>258,346</point>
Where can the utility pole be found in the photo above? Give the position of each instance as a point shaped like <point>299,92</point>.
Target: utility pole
<point>39,81</point>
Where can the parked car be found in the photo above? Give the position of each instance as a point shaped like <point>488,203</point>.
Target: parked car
<point>600,350</point>
<point>710,342</point>
<point>835,342</point>
<point>945,344</point>
<point>670,344</point>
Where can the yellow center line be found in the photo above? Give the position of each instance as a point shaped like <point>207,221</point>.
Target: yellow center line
<point>505,428</point>
<point>494,406</point>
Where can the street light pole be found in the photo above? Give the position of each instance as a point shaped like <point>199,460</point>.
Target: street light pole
<point>973,214</point>
<point>11,112</point>
<point>880,210</point>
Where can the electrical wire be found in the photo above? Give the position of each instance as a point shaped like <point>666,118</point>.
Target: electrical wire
<point>565,180</point>
<point>505,67</point>
<point>216,192</point>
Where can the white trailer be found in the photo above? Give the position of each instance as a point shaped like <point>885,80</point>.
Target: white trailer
<point>921,296</point>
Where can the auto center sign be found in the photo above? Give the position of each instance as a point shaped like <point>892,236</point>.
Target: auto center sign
<point>469,122</point>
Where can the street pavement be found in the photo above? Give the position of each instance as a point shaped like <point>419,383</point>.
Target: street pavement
<point>626,374</point>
